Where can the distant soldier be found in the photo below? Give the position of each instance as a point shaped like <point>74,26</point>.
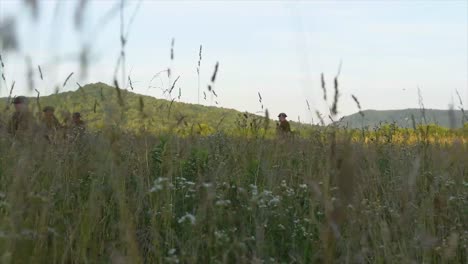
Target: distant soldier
<point>50,124</point>
<point>77,127</point>
<point>77,122</point>
<point>283,126</point>
<point>49,120</point>
<point>22,120</point>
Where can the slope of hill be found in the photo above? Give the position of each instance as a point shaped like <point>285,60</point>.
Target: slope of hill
<point>404,118</point>
<point>102,104</point>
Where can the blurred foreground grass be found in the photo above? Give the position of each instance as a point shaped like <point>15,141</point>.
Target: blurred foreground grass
<point>114,197</point>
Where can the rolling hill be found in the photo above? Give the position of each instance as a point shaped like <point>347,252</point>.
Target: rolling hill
<point>404,118</point>
<point>101,104</point>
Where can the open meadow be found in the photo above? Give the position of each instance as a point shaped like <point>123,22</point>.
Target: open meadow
<point>118,197</point>
<point>142,131</point>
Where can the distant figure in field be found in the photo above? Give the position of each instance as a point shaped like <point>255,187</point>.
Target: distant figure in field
<point>50,123</point>
<point>22,120</point>
<point>283,126</point>
<point>76,120</point>
<point>77,127</point>
<point>49,120</point>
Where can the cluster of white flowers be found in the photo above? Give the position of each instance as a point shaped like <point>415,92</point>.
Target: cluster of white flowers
<point>187,218</point>
<point>160,184</point>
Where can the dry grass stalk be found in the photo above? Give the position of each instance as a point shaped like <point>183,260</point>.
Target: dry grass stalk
<point>84,60</point>
<point>130,82</point>
<point>173,84</point>
<point>66,80</point>
<point>172,48</point>
<point>198,72</point>
<point>170,107</point>
<point>9,96</point>
<point>199,59</point>
<point>452,117</point>
<point>464,116</point>
<point>215,72</point>
<point>334,109</point>
<point>358,105</point>
<point>79,13</point>
<point>30,74</point>
<point>319,115</point>
<point>3,71</point>
<point>220,122</point>
<point>39,108</point>
<point>119,95</point>
<point>421,105</point>
<point>322,80</point>
<point>40,72</point>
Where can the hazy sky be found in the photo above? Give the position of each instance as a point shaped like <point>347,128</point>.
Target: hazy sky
<point>388,49</point>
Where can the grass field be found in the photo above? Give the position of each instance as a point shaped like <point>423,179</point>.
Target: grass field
<point>114,197</point>
<point>211,185</point>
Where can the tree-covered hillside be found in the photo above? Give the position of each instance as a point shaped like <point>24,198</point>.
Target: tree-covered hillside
<point>404,118</point>
<point>102,105</point>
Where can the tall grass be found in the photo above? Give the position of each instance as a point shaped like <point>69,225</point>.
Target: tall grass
<point>118,198</point>
<point>326,197</point>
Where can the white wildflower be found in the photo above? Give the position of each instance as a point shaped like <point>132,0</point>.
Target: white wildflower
<point>187,217</point>
<point>254,189</point>
<point>158,184</point>
<point>207,184</point>
<point>283,183</point>
<point>223,202</point>
<point>274,201</point>
<point>172,259</point>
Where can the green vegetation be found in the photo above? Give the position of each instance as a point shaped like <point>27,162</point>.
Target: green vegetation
<point>404,118</point>
<point>138,188</point>
<point>100,106</point>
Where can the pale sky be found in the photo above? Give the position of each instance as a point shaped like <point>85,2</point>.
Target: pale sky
<point>388,49</point>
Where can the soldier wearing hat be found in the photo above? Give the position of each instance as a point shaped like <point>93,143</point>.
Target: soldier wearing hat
<point>50,121</point>
<point>77,127</point>
<point>283,126</point>
<point>22,119</point>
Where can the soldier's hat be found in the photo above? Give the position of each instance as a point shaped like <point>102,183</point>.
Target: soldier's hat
<point>48,108</point>
<point>282,115</point>
<point>20,100</point>
<point>76,114</point>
